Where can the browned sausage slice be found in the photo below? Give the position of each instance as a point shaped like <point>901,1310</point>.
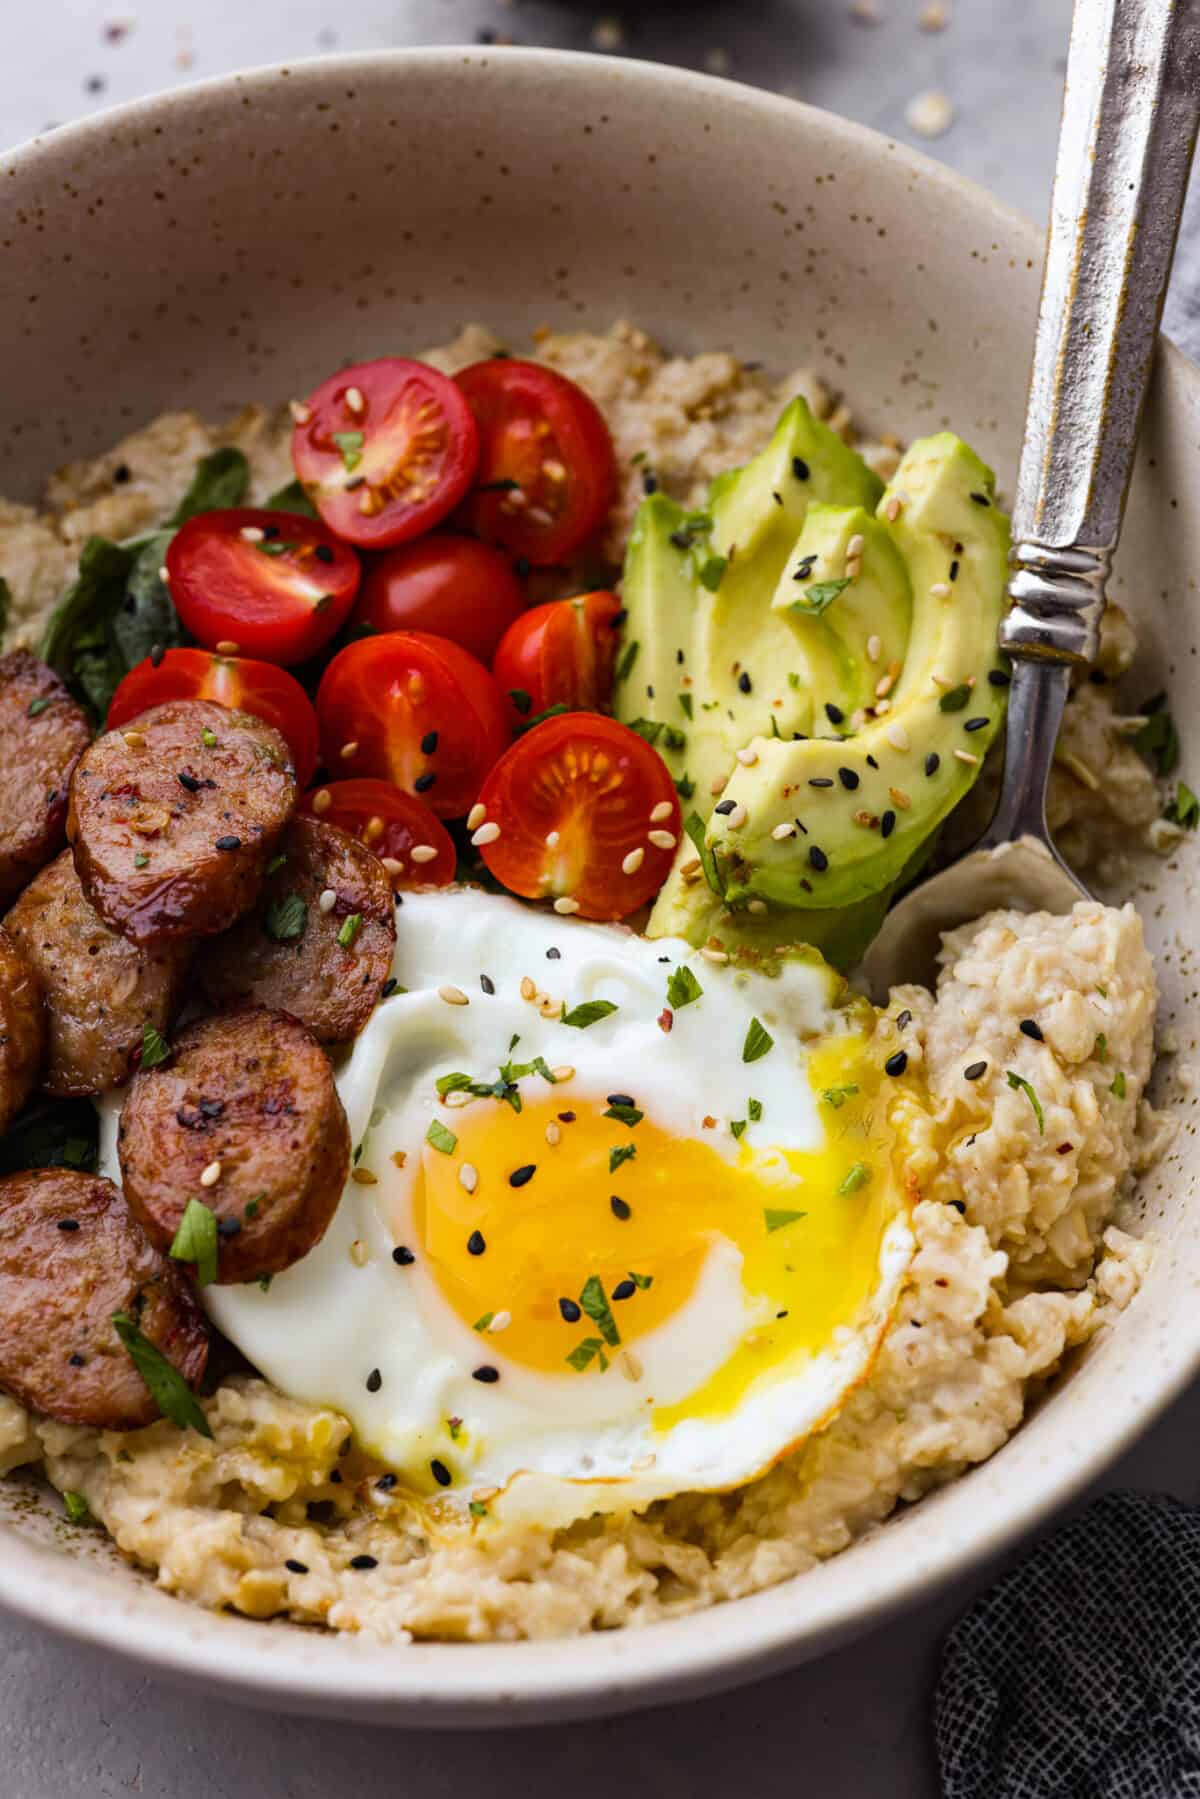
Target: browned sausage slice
<point>175,816</point>
<point>22,1030</point>
<point>43,733</point>
<point>246,1119</point>
<point>70,1257</point>
<point>101,991</point>
<point>323,959</point>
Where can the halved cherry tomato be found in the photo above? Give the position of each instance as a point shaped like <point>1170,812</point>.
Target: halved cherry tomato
<point>258,687</point>
<point>386,450</point>
<point>547,473</point>
<point>416,847</point>
<point>587,810</point>
<point>452,585</point>
<point>560,654</point>
<point>275,583</point>
<point>415,710</point>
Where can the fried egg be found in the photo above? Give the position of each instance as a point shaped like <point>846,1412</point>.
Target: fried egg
<point>622,1222</point>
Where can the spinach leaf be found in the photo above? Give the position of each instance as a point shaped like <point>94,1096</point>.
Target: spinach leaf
<point>221,479</point>
<point>147,617</point>
<point>54,1133</point>
<point>79,643</point>
<point>293,498</point>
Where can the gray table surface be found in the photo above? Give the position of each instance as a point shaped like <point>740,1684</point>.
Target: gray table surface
<point>856,1724</point>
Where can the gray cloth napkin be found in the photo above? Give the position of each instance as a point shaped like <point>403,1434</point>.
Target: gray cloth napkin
<point>1078,1675</point>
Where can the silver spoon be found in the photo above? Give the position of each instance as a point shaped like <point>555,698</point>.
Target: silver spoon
<point>1128,131</point>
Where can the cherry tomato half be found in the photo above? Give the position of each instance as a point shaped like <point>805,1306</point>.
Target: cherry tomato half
<point>275,583</point>
<point>258,687</point>
<point>560,654</point>
<point>452,585</point>
<point>587,810</point>
<point>386,450</point>
<point>416,847</point>
<point>415,710</point>
<point>547,473</point>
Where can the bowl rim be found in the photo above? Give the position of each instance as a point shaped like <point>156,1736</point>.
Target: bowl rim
<point>485,1684</point>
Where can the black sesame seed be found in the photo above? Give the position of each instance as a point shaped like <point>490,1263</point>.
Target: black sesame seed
<point>570,1311</point>
<point>363,1561</point>
<point>566,1117</point>
<point>76,1360</point>
<point>649,481</point>
<point>724,807</point>
<point>487,983</point>
<point>440,1472</point>
<point>374,1381</point>
<point>68,1224</point>
<point>679,657</point>
<point>954,569</point>
<point>620,1208</point>
<point>976,724</point>
<point>553,955</point>
<point>403,1258</point>
<point>999,677</point>
<point>904,1020</point>
<point>621,1099</point>
<point>871,762</point>
<point>800,468</point>
<point>981,499</point>
<point>820,781</point>
<point>1031,1028</point>
<point>385,1483</point>
<point>896,1064</point>
<point>189,781</point>
<point>295,1567</point>
<point>122,473</point>
<point>521,1176</point>
<point>744,682</point>
<point>624,1290</point>
<point>323,553</point>
<point>777,496</point>
<point>429,743</point>
<point>229,1227</point>
<point>804,569</point>
<point>390,986</point>
<point>932,762</point>
<point>157,652</point>
<point>849,778</point>
<point>817,859</point>
<point>974,1070</point>
<point>957,1205</point>
<point>423,783</point>
<point>834,714</point>
<point>270,531</point>
<point>487,1374</point>
<point>476,1243</point>
<point>1098,678</point>
<point>336,1477</point>
<point>229,843</point>
<point>887,824</point>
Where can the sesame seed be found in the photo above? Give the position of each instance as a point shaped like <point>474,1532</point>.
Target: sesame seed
<point>817,858</point>
<point>487,1375</point>
<point>227,647</point>
<point>295,1567</point>
<point>820,781</point>
<point>453,996</point>
<point>782,832</point>
<point>834,714</point>
<point>1031,1028</point>
<point>362,1561</point>
<point>881,707</point>
<point>476,1243</point>
<point>551,840</point>
<point>663,810</point>
<point>487,983</point>
<point>630,1365</point>
<point>364,1178</point>
<point>328,900</point>
<point>499,1323</point>
<point>887,824</point>
<point>354,399</point>
<point>374,1381</point>
<point>476,816</point>
<point>747,757</point>
<point>528,987</point>
<point>976,724</point>
<point>229,843</point>
<point>211,1175</point>
<point>895,1065</point>
<point>620,1208</point>
<point>892,510</point>
<point>633,861</point>
<point>967,757</point>
<point>897,736</point>
<point>714,955</point>
<point>874,648</point>
<point>456,1097</point>
<point>553,1134</point>
<point>757,906</point>
<point>521,1177</point>
<point>744,682</point>
<point>349,749</point>
<point>299,411</point>
<point>884,686</point>
<point>857,545</point>
<point>999,677</point>
<point>423,852</point>
<point>570,1311</point>
<point>373,829</point>
<point>849,778</point>
<point>624,1290</point>
<point>899,798</point>
<point>403,1258</point>
<point>564,1072</point>
<point>940,590</point>
<point>468,1177</point>
<point>974,1070</point>
<point>940,680</point>
<point>662,840</point>
<point>135,739</point>
<point>737,818</point>
<point>724,808</point>
<point>391,866</point>
<point>440,1473</point>
<point>932,762</point>
<point>423,783</point>
<point>322,801</point>
<point>251,534</point>
<point>566,905</point>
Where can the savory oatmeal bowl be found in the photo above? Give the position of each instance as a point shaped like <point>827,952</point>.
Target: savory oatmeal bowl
<point>476,668</point>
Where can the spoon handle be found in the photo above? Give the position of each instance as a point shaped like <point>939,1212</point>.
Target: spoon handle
<point>1129,121</point>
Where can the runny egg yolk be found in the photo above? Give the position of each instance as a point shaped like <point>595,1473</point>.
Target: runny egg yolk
<point>621,1238</point>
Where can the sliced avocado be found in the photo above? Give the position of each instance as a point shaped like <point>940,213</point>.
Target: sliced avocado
<point>862,805</point>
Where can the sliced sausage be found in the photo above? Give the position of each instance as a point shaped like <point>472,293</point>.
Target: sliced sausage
<point>22,1030</point>
<point>101,991</point>
<point>70,1257</point>
<point>245,1118</point>
<point>323,960</point>
<point>175,817</point>
<point>43,733</point>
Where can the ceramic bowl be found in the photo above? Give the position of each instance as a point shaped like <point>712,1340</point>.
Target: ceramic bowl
<point>235,239</point>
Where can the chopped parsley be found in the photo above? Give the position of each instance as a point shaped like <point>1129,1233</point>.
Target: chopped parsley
<point>685,704</point>
<point>1118,1084</point>
<point>737,1126</point>
<point>350,443</point>
<point>76,1508</point>
<point>629,1115</point>
<point>170,1392</point>
<point>629,657</point>
<point>1184,808</point>
<point>1158,740</point>
<point>754,1108</point>
<point>837,1096</point>
<point>350,929</point>
<point>821,595</point>
<point>585,1353</point>
<point>440,1137</point>
<point>758,1041</point>
<point>155,1048</point>
<point>276,863</point>
<point>712,572</point>
<point>641,1281</point>
<point>694,826</point>
<point>621,1152</point>
<point>589,1013</point>
<point>481,1324</point>
<point>1019,1084</point>
<point>1101,1047</point>
<point>682,987</point>
<point>35,708</point>
<point>208,738</point>
<point>196,1241</point>
<point>477,1508</point>
<point>594,1302</point>
<point>854,1179</point>
<point>685,787</point>
<point>775,1220</point>
<point>286,918</point>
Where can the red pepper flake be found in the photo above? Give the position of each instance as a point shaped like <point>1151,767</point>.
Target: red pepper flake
<point>666,1019</point>
<point>709,1123</point>
<point>1064,1149</point>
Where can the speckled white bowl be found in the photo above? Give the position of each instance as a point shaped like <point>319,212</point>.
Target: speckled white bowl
<point>235,239</point>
